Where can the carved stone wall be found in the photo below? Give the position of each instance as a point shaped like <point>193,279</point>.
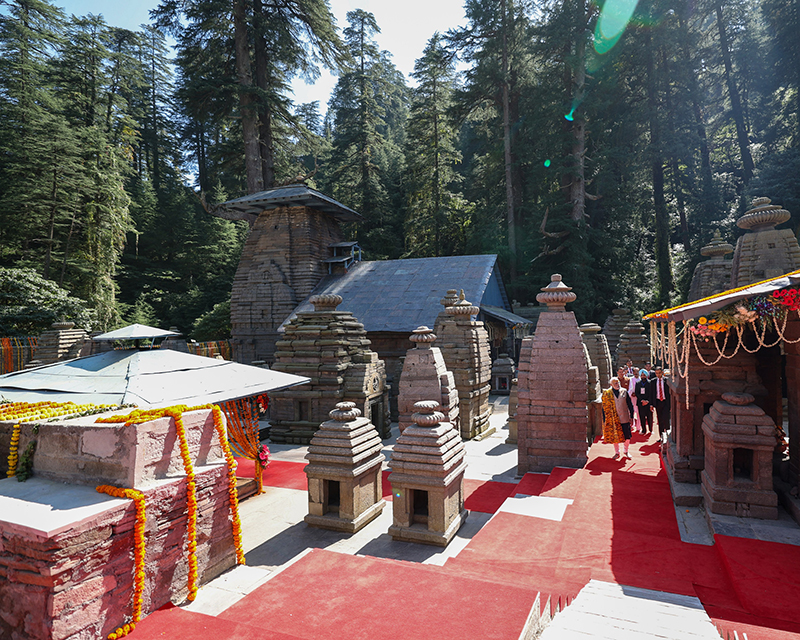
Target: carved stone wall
<point>331,348</point>
<point>552,413</point>
<point>281,264</point>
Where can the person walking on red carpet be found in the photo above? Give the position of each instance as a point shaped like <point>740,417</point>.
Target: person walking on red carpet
<point>644,402</point>
<point>660,401</point>
<point>617,410</point>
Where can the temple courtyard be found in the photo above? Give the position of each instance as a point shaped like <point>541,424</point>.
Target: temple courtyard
<point>595,552</point>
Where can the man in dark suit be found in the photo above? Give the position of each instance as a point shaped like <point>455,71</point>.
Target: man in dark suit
<point>644,402</point>
<point>659,393</point>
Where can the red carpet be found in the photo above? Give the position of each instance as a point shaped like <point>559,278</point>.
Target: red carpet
<point>336,596</point>
<point>279,473</point>
<point>532,483</point>
<point>621,527</point>
<point>486,496</point>
<point>173,622</point>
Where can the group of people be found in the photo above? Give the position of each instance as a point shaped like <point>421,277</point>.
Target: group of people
<point>629,403</point>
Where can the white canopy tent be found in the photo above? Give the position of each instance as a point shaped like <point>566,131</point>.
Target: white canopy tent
<point>149,378</point>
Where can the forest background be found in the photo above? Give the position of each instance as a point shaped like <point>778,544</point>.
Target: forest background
<point>605,141</point>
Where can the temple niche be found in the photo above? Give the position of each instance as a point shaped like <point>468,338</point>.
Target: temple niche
<point>344,472</point>
<point>552,413</point>
<point>425,376</point>
<point>331,348</point>
<point>465,347</point>
<point>713,275</point>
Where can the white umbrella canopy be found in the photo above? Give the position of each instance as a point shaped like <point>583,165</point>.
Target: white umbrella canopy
<point>134,332</point>
<point>150,378</point>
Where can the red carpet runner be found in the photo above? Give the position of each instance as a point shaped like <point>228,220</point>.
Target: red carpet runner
<point>620,528</point>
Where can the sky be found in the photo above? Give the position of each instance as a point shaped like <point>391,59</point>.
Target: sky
<point>405,28</point>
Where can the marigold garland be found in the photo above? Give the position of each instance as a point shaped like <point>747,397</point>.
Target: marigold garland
<point>29,411</point>
<point>139,553</point>
<point>13,451</point>
<point>664,313</point>
<point>138,416</point>
<point>232,492</point>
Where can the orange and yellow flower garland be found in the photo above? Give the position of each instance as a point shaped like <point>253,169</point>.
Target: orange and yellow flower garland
<point>139,551</point>
<point>138,416</point>
<point>13,451</point>
<point>232,493</point>
<point>29,411</point>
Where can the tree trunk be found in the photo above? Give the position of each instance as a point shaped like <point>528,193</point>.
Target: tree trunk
<point>512,233</point>
<point>707,177</point>
<point>677,174</point>
<point>51,226</point>
<point>736,105</point>
<point>266,146</point>
<point>577,191</point>
<point>247,107</point>
<point>662,248</point>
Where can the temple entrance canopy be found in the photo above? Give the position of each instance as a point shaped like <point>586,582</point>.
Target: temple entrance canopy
<point>741,341</point>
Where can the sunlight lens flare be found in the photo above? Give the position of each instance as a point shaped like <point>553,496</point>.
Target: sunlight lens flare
<point>614,17</point>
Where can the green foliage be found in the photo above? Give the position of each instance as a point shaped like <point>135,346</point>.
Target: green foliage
<point>368,108</point>
<point>29,304</point>
<point>214,324</point>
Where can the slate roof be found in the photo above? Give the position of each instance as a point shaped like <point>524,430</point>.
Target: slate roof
<point>293,195</point>
<point>400,295</point>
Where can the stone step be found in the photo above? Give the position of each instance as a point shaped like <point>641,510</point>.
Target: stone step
<point>619,612</point>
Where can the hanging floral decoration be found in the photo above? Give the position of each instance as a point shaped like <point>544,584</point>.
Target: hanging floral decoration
<point>138,555</point>
<point>219,425</point>
<point>13,456</point>
<point>243,431</point>
<point>761,313</point>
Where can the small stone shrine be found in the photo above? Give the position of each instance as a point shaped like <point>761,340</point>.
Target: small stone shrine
<point>428,464</point>
<point>426,376</point>
<point>502,374</point>
<point>344,472</point>
<point>740,441</point>
<point>465,347</point>
<point>633,345</point>
<point>552,414</point>
<point>61,342</point>
<point>764,252</point>
<point>597,345</point>
<point>713,275</point>
<point>613,328</point>
<point>331,348</point>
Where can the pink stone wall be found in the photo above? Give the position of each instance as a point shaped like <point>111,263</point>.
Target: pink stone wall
<point>78,583</point>
<point>82,451</point>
